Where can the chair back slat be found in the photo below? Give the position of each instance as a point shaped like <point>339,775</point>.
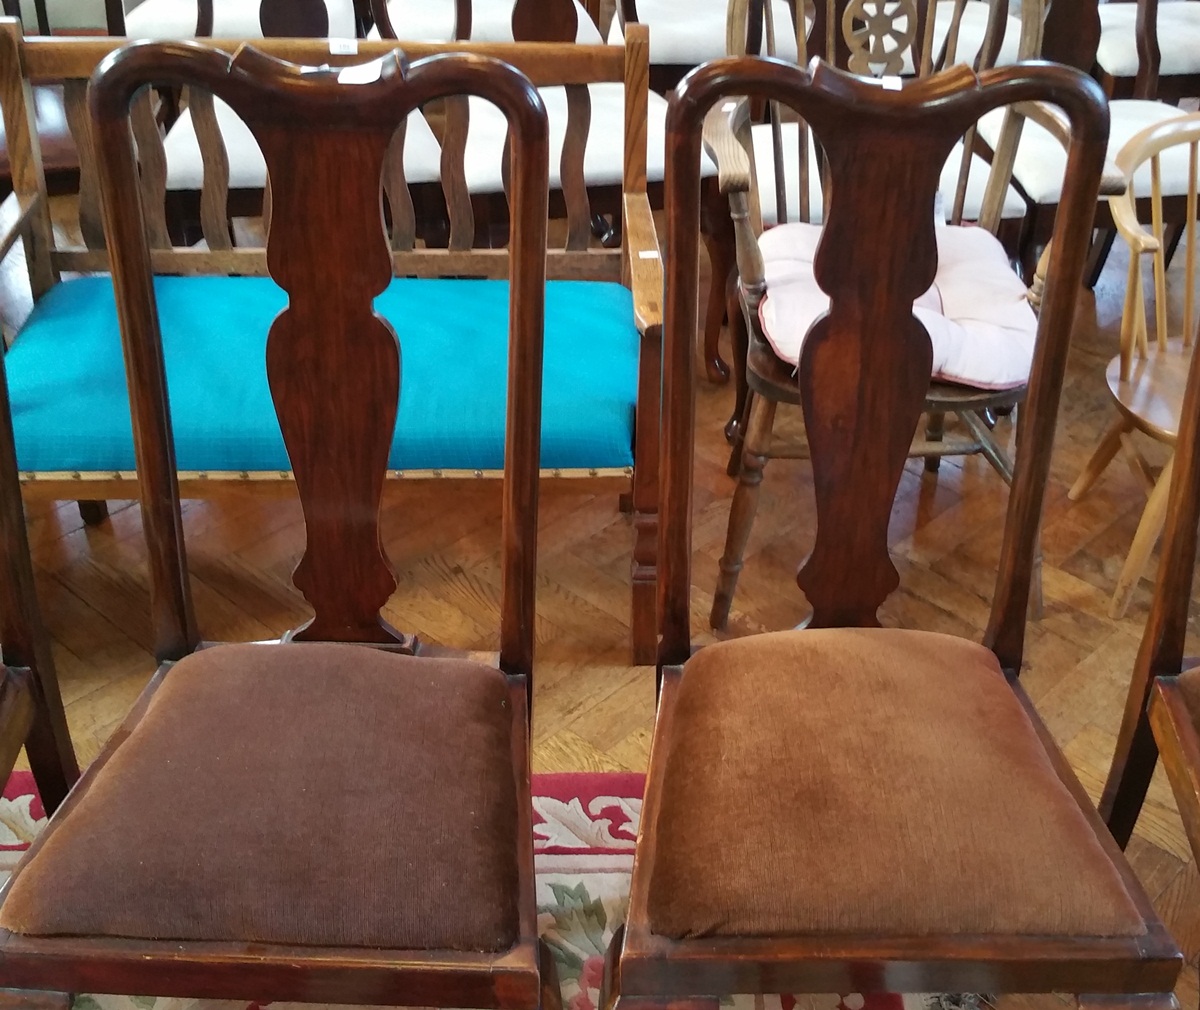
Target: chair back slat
<point>454,172</point>
<point>152,165</point>
<point>91,223</point>
<point>1160,256</point>
<point>395,187</point>
<point>333,365</point>
<point>571,173</point>
<point>214,187</point>
<point>865,364</point>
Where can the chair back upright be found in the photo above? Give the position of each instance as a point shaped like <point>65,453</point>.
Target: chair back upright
<point>333,364</point>
<point>865,365</point>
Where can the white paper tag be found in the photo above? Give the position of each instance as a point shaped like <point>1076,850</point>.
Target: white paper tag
<point>648,254</point>
<point>366,73</point>
<point>343,47</point>
<point>729,106</point>
<point>891,83</point>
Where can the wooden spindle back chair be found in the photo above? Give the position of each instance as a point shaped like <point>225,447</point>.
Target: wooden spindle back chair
<point>346,701</point>
<point>766,747</point>
<point>1147,384</point>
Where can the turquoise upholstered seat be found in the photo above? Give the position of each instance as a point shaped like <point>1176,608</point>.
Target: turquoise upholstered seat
<point>71,408</point>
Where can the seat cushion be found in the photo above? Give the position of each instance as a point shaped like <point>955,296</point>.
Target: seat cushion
<point>867,782</point>
<point>1178,38</point>
<point>70,404</point>
<point>764,167</point>
<point>331,795</point>
<point>232,19</point>
<point>248,168</point>
<point>979,321</point>
<point>1041,160</point>
<point>690,34</point>
<point>491,21</point>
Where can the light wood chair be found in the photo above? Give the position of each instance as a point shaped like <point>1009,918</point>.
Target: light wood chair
<point>848,808</point>
<point>416,744</point>
<point>1147,385</point>
<point>984,327</point>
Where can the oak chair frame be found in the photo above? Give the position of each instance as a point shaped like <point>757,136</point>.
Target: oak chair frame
<point>636,263</point>
<point>849,573</point>
<point>1146,387</point>
<point>340,492</point>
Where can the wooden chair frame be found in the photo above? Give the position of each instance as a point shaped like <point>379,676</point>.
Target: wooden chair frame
<point>341,495</point>
<point>849,572</point>
<point>762,380</point>
<point>636,263</point>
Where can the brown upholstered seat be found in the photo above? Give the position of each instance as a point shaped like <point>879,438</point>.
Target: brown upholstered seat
<point>389,819</point>
<point>868,781</point>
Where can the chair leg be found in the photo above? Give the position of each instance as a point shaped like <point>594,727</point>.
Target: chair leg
<point>745,504</point>
<point>717,232</point>
<point>1150,526</point>
<point>1101,247</point>
<point>1104,454</point>
<point>935,428</point>
<point>93,513</point>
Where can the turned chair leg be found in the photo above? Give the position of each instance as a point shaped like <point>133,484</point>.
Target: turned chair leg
<point>744,506</point>
<point>739,341</point>
<point>1150,526</point>
<point>93,513</point>
<point>1104,454</point>
<point>935,428</point>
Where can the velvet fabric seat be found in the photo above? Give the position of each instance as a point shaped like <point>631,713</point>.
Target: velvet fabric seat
<point>977,315</point>
<point>369,832</point>
<point>959,823</point>
<point>71,410</point>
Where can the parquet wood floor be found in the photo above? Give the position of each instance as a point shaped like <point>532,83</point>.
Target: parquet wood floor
<point>594,712</point>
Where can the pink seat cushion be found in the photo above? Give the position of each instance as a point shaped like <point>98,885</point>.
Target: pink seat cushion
<point>979,321</point>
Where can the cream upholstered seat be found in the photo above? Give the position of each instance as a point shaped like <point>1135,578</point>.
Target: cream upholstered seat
<point>1041,159</point>
<point>248,170</point>
<point>1178,39</point>
<point>688,34</point>
<point>491,21</point>
<point>232,19</point>
<point>764,164</point>
<point>978,317</point>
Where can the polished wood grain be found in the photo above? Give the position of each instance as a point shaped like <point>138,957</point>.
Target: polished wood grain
<point>337,430</point>
<point>652,970</point>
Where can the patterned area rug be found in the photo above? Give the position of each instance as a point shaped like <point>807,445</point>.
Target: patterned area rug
<point>585,826</point>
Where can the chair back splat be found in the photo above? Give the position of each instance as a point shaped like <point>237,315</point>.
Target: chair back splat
<point>866,364</point>
<point>333,364</point>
